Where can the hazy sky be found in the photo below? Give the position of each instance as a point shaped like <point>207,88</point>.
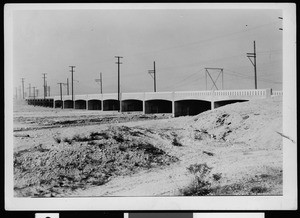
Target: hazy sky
<point>182,42</point>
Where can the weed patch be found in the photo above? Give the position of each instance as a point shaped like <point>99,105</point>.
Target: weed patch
<point>200,185</point>
<point>57,139</point>
<point>176,142</point>
<point>258,190</point>
<point>62,168</point>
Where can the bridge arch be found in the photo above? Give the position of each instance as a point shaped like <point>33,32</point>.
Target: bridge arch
<point>68,104</point>
<point>132,105</point>
<point>94,104</point>
<point>49,102</point>
<point>225,102</point>
<point>80,104</point>
<point>158,106</point>
<point>111,105</point>
<point>191,107</point>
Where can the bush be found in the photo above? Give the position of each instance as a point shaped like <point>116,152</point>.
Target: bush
<point>258,190</point>
<point>217,176</point>
<point>200,170</point>
<point>78,138</point>
<point>67,140</point>
<point>57,139</point>
<point>200,185</point>
<point>197,187</point>
<point>176,142</point>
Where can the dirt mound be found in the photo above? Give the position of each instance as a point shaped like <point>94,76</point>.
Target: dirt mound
<point>255,122</point>
<point>84,160</point>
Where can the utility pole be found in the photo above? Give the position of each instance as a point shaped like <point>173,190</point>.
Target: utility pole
<point>67,86</point>
<point>119,91</point>
<point>72,71</point>
<point>100,81</point>
<point>60,85</point>
<point>253,55</point>
<point>45,90</point>
<point>154,75</point>
<point>33,96</point>
<point>48,91</point>
<point>23,87</point>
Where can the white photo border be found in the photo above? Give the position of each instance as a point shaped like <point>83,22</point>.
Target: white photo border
<point>286,202</point>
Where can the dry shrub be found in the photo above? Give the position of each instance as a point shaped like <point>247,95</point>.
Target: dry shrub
<point>200,185</point>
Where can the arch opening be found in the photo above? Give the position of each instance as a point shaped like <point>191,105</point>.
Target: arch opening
<point>111,105</point>
<point>132,105</point>
<point>225,102</point>
<point>68,104</point>
<point>94,104</point>
<point>58,104</point>
<point>158,106</point>
<point>191,107</point>
<point>80,104</point>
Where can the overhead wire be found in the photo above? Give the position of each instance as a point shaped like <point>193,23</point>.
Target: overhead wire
<point>234,73</point>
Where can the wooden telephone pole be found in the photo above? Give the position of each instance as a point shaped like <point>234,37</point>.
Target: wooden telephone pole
<point>253,55</point>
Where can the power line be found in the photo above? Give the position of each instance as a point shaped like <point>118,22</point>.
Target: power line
<point>206,40</point>
<point>184,80</point>
<point>234,73</point>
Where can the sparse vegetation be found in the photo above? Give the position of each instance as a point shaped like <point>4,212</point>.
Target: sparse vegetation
<point>200,185</point>
<point>208,153</point>
<point>258,189</point>
<point>57,139</point>
<point>83,162</point>
<point>217,176</point>
<point>176,142</point>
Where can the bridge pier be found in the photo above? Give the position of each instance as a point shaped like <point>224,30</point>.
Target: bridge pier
<point>173,104</point>
<point>144,106</point>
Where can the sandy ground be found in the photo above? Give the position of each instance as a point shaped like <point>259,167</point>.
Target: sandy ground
<point>239,144</point>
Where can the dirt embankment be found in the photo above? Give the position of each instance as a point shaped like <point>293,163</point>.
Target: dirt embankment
<point>232,150</point>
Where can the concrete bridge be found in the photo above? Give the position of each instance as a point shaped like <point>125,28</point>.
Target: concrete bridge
<point>178,103</point>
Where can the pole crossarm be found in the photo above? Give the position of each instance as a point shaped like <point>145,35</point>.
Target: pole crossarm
<point>151,72</point>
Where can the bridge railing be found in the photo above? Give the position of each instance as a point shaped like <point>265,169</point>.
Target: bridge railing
<point>172,95</point>
<point>158,95</point>
<point>249,92</point>
<point>277,93</point>
<point>136,95</point>
<point>193,93</point>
